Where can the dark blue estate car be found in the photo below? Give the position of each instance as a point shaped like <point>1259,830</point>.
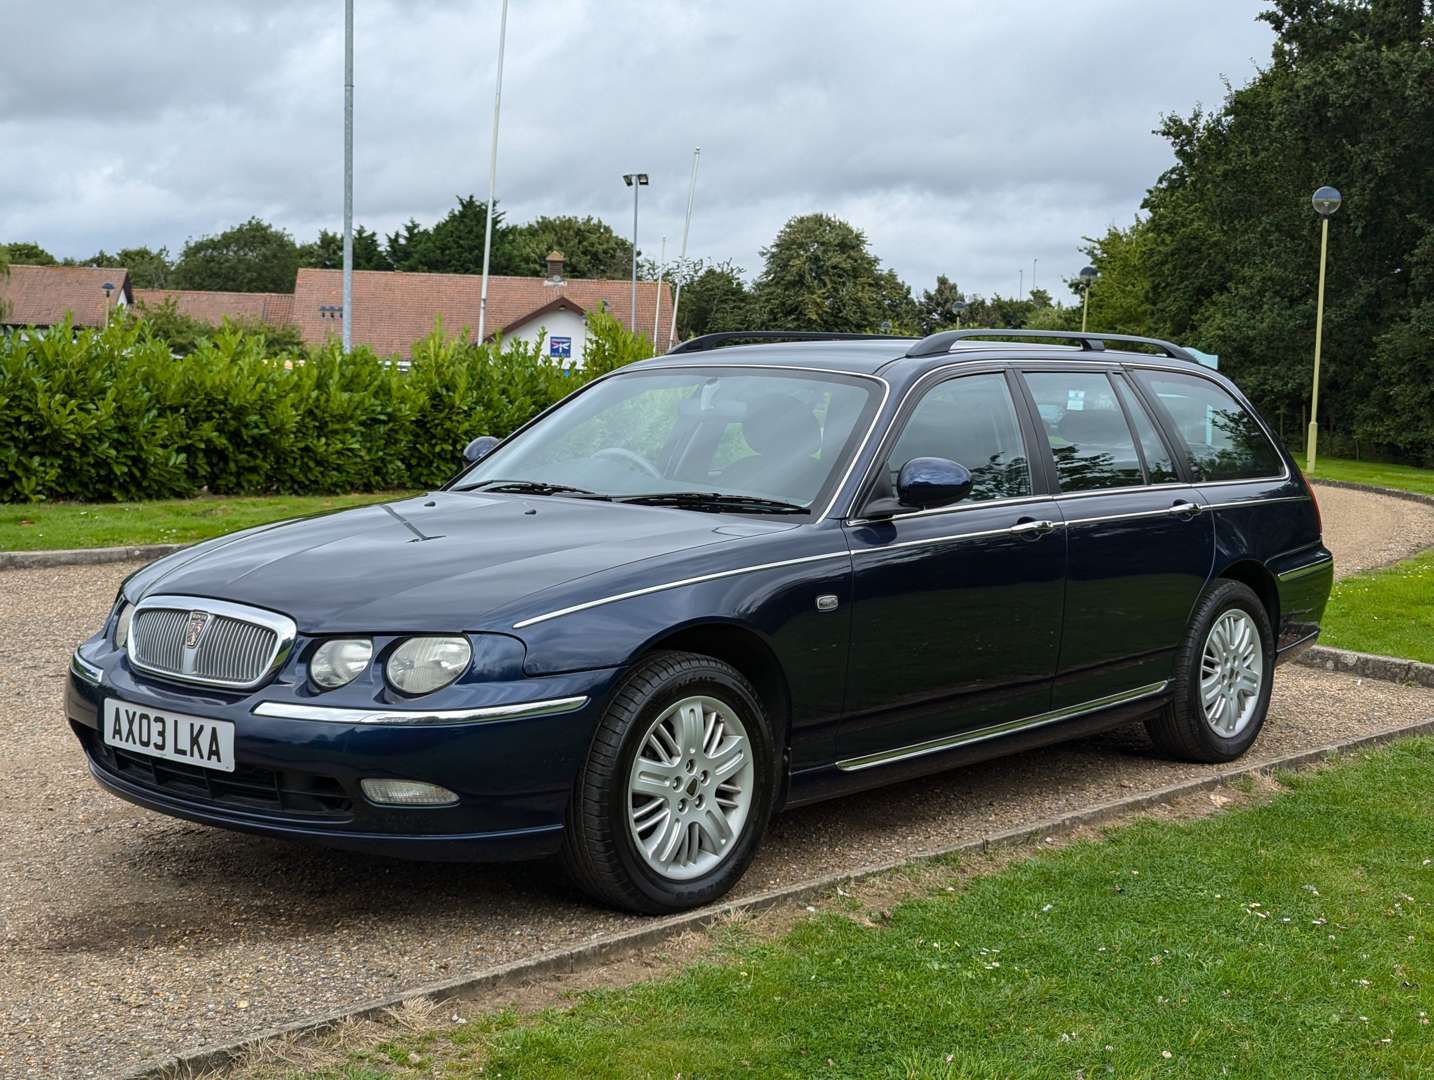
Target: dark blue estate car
<point>717,583</point>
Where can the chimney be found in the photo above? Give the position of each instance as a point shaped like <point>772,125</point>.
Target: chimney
<point>555,267</point>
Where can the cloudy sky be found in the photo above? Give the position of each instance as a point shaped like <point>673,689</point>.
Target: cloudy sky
<point>966,138</point>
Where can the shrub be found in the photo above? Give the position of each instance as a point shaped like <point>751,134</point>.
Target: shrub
<point>113,414</point>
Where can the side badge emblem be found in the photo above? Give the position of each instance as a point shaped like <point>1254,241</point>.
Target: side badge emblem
<point>826,602</point>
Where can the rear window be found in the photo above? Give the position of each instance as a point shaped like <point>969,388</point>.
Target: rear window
<point>1226,441</point>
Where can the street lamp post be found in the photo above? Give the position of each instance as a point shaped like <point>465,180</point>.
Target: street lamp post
<point>1326,201</point>
<point>1087,277</point>
<point>959,308</point>
<point>634,181</point>
<point>108,287</point>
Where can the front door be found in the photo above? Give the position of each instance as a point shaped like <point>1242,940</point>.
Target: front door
<point>1140,539</point>
<point>956,611</point>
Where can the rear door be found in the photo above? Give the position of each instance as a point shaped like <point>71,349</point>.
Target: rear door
<point>1139,537</point>
<point>956,610</point>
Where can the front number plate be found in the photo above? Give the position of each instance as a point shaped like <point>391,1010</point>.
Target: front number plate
<point>195,740</point>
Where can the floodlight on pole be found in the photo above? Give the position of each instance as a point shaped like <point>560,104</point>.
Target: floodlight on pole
<point>1325,201</point>
<point>634,181</point>
<point>1087,276</point>
<point>492,175</point>
<point>959,308</point>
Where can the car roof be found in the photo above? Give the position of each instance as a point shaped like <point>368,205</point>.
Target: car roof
<point>871,356</point>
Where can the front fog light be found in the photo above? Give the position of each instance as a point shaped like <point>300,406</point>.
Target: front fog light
<point>424,664</point>
<point>406,793</point>
<point>339,662</point>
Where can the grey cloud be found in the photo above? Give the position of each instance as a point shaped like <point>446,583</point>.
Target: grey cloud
<point>964,138</point>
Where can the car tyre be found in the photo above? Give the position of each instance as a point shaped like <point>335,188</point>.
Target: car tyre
<point>616,797</point>
<point>1215,712</point>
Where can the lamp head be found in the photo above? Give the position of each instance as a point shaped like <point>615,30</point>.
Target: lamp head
<point>1326,201</point>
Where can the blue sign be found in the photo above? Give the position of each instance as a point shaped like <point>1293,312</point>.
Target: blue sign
<point>560,348</point>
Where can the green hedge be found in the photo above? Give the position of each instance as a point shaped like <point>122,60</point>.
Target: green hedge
<point>112,414</point>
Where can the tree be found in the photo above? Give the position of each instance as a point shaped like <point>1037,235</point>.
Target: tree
<point>938,309</point>
<point>327,252</point>
<point>148,269</point>
<point>590,247</point>
<point>23,253</point>
<point>252,257</point>
<point>818,274</point>
<point>1121,298</point>
<point>715,298</point>
<point>455,244</point>
<point>1348,99</point>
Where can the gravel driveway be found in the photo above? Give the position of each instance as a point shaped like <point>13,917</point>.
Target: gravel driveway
<point>126,935</point>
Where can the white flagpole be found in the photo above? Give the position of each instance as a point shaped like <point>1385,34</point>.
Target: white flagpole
<point>686,225</point>
<point>657,311</point>
<point>492,175</point>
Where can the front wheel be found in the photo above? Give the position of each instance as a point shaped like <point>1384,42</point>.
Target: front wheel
<point>1223,678</point>
<point>671,804</point>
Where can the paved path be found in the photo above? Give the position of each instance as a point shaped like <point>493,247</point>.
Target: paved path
<point>126,935</point>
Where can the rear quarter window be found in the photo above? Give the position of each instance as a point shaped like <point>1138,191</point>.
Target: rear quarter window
<point>1226,441</point>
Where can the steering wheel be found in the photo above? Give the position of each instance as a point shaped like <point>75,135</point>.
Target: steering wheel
<point>630,458</point>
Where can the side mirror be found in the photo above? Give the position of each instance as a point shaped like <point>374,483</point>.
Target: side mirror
<point>479,448</point>
<point>927,482</point>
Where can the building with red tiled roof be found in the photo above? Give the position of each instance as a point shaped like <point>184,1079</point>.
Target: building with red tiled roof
<point>393,310</point>
<point>276,309</point>
<point>43,295</point>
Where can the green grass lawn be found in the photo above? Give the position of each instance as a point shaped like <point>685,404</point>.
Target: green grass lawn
<point>40,526</point>
<point>1293,938</point>
<point>1388,611</point>
<point>1373,473</point>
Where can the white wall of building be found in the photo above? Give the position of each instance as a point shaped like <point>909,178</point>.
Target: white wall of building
<point>555,324</point>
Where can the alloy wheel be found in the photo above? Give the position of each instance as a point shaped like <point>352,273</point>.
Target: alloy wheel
<point>690,788</point>
<point>1232,671</point>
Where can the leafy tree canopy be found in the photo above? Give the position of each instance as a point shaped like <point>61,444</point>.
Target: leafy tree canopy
<point>327,252</point>
<point>24,253</point>
<point>455,244</point>
<point>148,269</point>
<point>715,298</point>
<point>819,274</point>
<point>1233,244</point>
<point>252,257</point>
<point>590,247</point>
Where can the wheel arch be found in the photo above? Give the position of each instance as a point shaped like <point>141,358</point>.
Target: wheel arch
<point>1262,583</point>
<point>748,652</point>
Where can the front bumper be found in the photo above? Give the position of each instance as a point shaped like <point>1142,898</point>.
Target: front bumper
<point>299,778</point>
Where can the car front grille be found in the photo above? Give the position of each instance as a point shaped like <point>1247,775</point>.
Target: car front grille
<point>234,646</point>
<point>247,787</point>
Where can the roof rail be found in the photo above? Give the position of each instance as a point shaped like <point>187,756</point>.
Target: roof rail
<point>941,342</point>
<point>706,342</point>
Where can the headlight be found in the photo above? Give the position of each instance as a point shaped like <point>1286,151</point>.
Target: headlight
<point>339,662</point>
<point>122,621</point>
<point>423,664</point>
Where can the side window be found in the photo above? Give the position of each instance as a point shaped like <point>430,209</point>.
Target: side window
<point>1090,440</point>
<point>1226,442</point>
<point>1159,462</point>
<point>971,420</point>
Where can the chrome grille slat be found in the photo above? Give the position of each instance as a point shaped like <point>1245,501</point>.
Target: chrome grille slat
<point>239,647</point>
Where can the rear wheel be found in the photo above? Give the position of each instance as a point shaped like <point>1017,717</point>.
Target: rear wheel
<point>673,799</point>
<point>1222,678</point>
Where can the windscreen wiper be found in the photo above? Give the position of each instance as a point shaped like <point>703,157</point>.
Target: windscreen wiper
<point>533,487</point>
<point>716,501</point>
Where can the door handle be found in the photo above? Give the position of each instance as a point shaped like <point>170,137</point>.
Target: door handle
<point>1185,510</point>
<point>1032,529</point>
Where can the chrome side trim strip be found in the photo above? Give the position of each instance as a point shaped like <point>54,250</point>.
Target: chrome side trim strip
<point>337,715</point>
<point>950,742</point>
<point>676,585</point>
<point>1257,502</point>
<point>1306,570</point>
<point>85,670</point>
